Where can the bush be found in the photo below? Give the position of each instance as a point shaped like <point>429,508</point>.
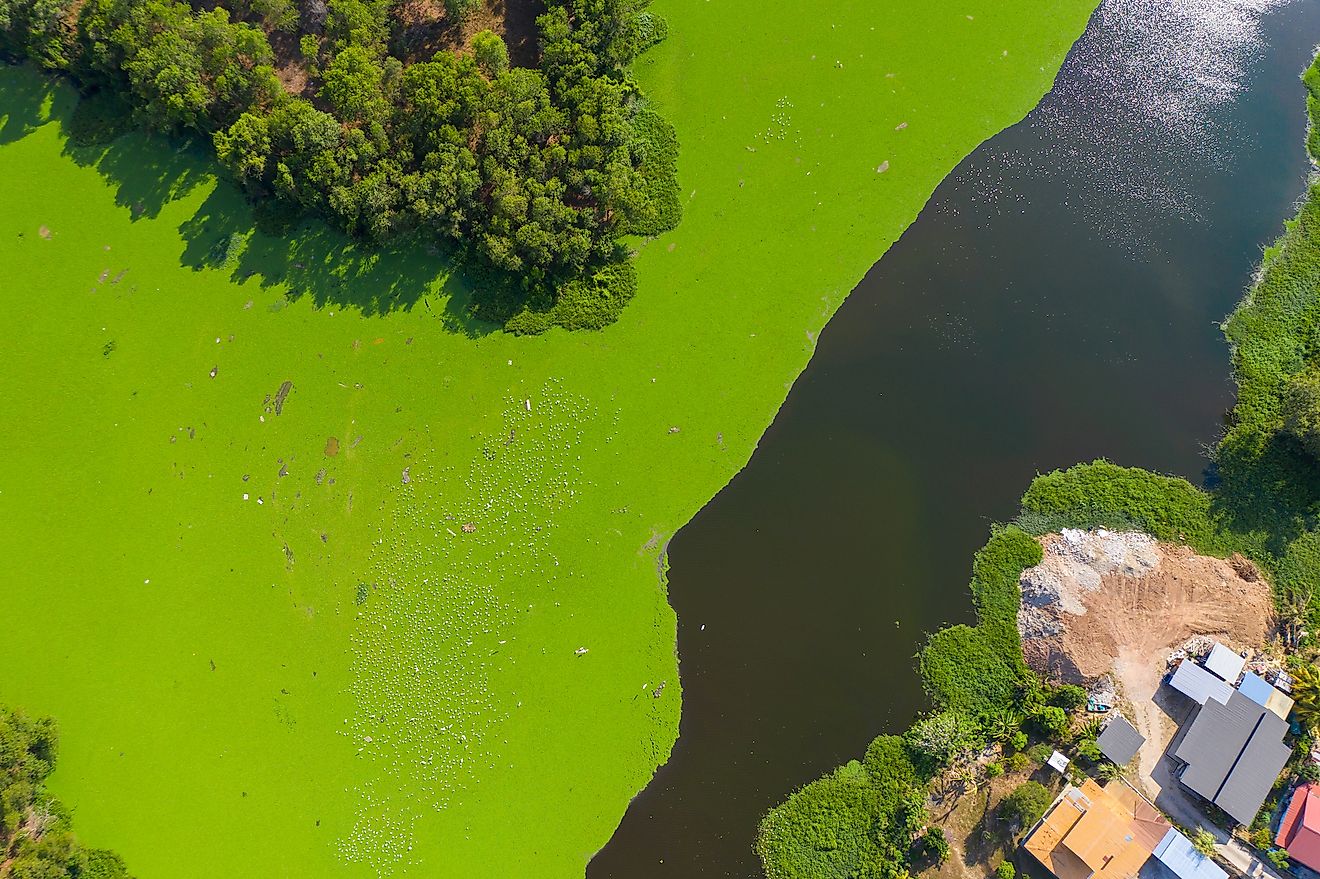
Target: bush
<point>943,737</point>
<point>935,844</point>
<point>994,769</point>
<point>1040,753</point>
<point>1018,741</point>
<point>843,825</point>
<point>1301,410</point>
<point>979,670</point>
<point>1103,495</point>
<point>1017,762</point>
<point>490,52</point>
<point>1261,838</point>
<point>1204,842</point>
<point>1005,870</point>
<point>1069,697</point>
<point>459,10</point>
<point>1025,805</point>
<point>1051,721</point>
<point>1088,750</point>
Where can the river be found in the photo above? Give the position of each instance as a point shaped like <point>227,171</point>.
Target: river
<point>1057,301</point>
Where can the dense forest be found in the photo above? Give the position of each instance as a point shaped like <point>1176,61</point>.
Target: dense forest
<point>35,839</point>
<point>399,118</point>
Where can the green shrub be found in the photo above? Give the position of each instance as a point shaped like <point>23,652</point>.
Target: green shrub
<point>1018,740</point>
<point>935,844</point>
<point>1005,870</point>
<point>979,670</point>
<point>1088,750</point>
<point>1040,753</point>
<point>1025,805</point>
<point>843,825</point>
<point>459,10</point>
<point>1069,697</point>
<point>1051,721</point>
<point>490,52</point>
<point>1204,842</point>
<point>1017,762</point>
<point>994,769</point>
<point>1103,495</point>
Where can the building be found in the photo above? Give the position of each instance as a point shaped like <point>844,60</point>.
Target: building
<point>1178,856</point>
<point>1258,690</point>
<point>1198,683</point>
<point>1120,741</point>
<point>1225,663</point>
<point>1299,831</point>
<point>1232,752</point>
<point>1097,833</point>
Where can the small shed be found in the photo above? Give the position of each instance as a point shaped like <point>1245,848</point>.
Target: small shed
<point>1058,762</point>
<point>1258,690</point>
<point>1191,679</point>
<point>1177,853</point>
<point>1120,741</point>
<point>1225,663</point>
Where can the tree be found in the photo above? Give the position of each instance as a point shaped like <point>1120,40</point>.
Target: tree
<point>1204,842</point>
<point>351,84</point>
<point>943,736</point>
<point>1024,806</point>
<point>277,15</point>
<point>1306,694</point>
<point>490,52</point>
<point>1300,404</point>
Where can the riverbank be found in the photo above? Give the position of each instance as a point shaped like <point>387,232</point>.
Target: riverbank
<point>1263,508</point>
<point>318,643</point>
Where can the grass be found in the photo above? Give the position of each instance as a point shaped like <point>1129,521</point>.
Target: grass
<point>212,658</point>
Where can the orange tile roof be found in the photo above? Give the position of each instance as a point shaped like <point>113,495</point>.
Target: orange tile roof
<point>1097,832</point>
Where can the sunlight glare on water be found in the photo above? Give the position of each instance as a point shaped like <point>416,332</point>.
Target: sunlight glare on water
<point>1152,81</point>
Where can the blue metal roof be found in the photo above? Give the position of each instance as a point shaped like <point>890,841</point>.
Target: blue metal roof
<point>1176,852</point>
<point>1256,688</point>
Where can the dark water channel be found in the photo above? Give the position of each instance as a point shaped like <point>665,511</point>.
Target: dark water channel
<point>1056,302</point>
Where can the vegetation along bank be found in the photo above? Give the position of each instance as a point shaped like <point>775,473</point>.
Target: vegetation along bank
<point>36,841</point>
<point>870,817</point>
<point>397,120</point>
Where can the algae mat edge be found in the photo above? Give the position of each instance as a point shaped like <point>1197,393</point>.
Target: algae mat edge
<point>219,664</point>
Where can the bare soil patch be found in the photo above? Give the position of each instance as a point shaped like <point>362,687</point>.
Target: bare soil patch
<point>1099,596</point>
<point>978,840</point>
<point>423,29</point>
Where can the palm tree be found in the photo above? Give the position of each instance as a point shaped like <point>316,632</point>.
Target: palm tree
<point>1306,695</point>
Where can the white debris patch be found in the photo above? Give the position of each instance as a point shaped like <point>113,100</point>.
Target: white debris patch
<point>1073,565</point>
<point>439,621</point>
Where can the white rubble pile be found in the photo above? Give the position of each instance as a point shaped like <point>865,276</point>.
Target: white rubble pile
<point>1073,565</point>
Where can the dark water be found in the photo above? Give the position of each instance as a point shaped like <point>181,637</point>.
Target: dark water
<point>1056,302</point>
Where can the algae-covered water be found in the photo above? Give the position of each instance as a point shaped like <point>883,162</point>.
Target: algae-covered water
<point>305,563</point>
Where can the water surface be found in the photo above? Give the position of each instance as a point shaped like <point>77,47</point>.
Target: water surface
<point>1057,301</point>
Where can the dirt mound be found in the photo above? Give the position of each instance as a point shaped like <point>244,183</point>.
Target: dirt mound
<point>1099,595</point>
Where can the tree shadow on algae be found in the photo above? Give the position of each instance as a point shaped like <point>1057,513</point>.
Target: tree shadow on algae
<point>309,260</point>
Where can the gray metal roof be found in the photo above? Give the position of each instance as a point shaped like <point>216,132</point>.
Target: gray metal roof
<point>1120,741</point>
<point>1233,752</point>
<point>1261,762</point>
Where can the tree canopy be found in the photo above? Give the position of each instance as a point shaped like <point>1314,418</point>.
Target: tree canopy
<point>533,175</point>
<point>35,837</point>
